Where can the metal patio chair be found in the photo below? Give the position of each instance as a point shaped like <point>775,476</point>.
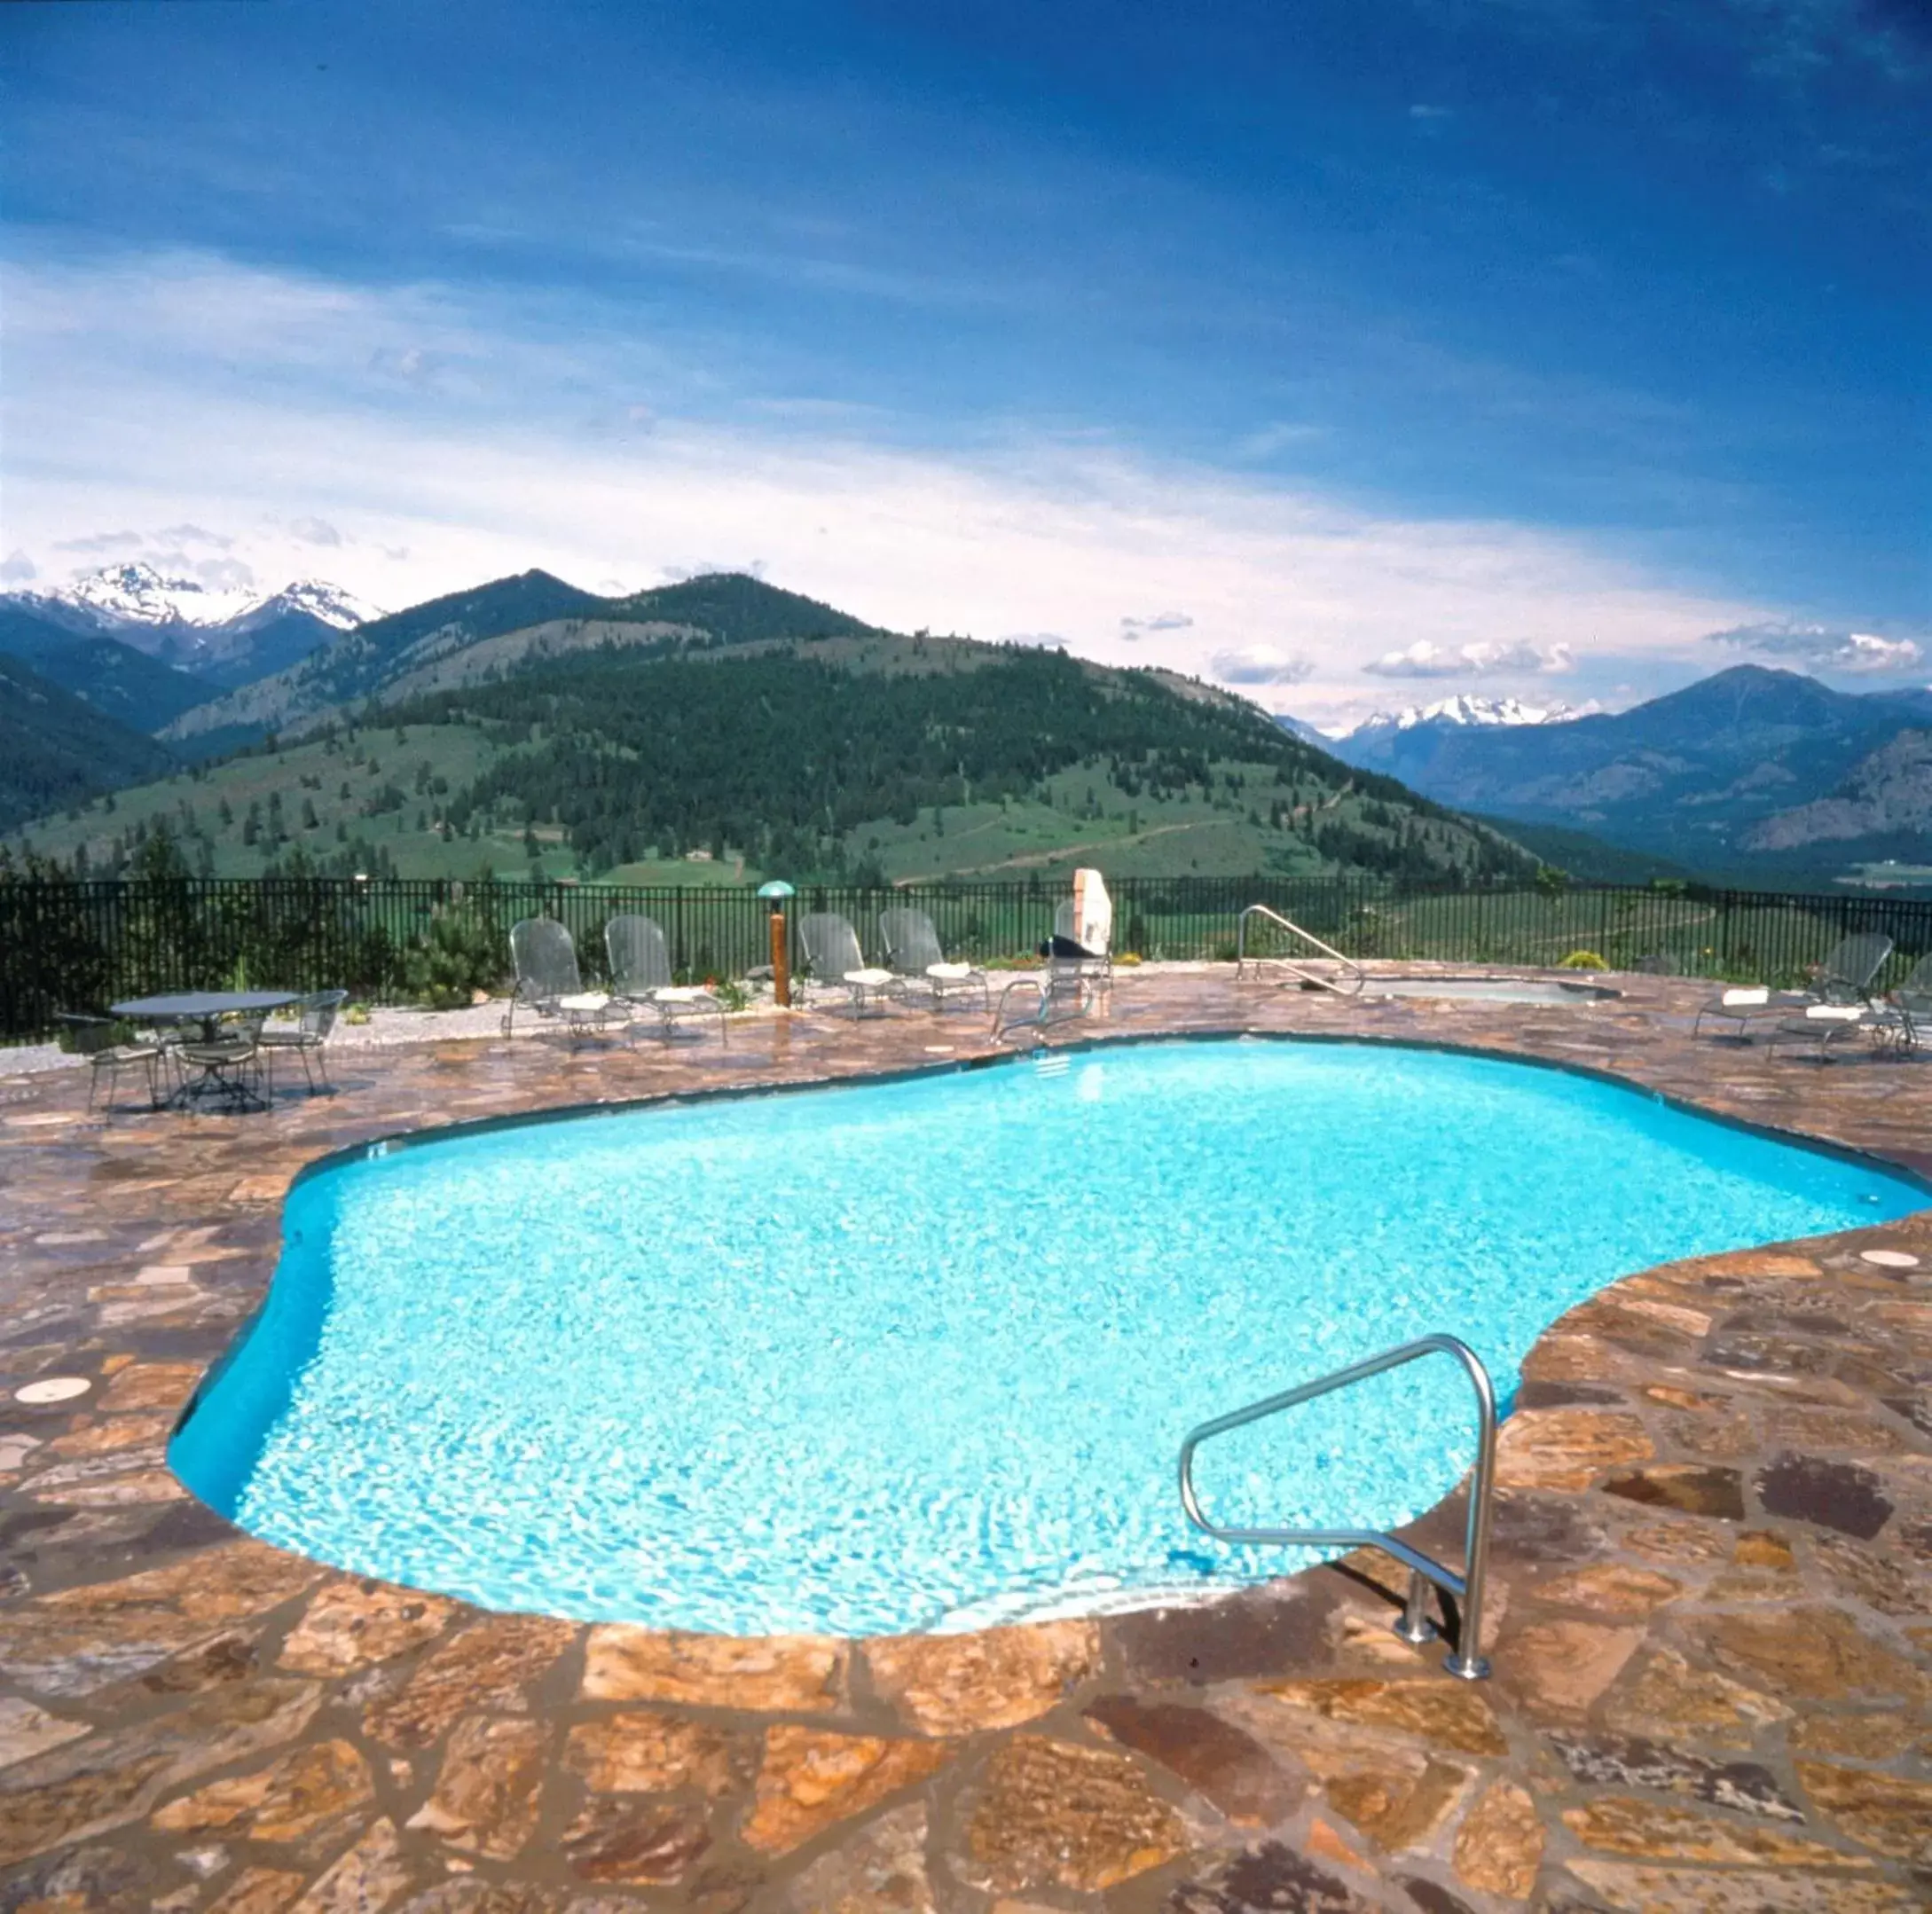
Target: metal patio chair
<point>315,1018</point>
<point>641,976</point>
<point>912,952</point>
<point>549,982</point>
<point>836,961</point>
<point>97,1040</point>
<point>226,1070</point>
<point>1902,1023</point>
<point>1844,980</point>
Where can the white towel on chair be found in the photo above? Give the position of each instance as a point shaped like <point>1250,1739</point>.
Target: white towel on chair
<point>1738,1000</point>
<point>1834,1013</point>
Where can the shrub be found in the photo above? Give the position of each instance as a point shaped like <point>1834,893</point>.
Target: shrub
<point>1582,960</point>
<point>453,960</point>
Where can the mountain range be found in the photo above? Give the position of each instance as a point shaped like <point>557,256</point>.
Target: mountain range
<point>226,637</point>
<point>1755,774</point>
<point>529,724</point>
<point>1752,776</point>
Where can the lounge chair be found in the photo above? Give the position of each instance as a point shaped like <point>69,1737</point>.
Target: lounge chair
<point>641,976</point>
<point>315,1019</point>
<point>836,961</point>
<point>549,982</point>
<point>97,1040</point>
<point>1844,981</point>
<point>912,952</point>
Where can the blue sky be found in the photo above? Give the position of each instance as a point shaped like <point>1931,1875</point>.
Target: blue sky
<point>1350,354</point>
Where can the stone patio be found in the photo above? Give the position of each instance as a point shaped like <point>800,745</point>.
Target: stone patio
<point>1712,1619</point>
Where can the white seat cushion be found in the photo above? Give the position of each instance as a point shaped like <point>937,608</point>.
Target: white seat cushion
<point>869,979</point>
<point>1836,1013</point>
<point>681,993</point>
<point>949,973</point>
<point>590,1000</point>
<point>1738,1000</point>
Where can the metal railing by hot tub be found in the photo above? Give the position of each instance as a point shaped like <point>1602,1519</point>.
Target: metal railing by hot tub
<point>1352,975</point>
<point>1466,1589</point>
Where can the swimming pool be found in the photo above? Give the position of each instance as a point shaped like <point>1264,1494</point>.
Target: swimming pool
<point>919,1354</point>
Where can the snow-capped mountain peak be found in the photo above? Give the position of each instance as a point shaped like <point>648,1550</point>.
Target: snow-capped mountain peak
<point>1462,710</point>
<point>138,594</point>
<point>329,604</point>
<point>229,636</point>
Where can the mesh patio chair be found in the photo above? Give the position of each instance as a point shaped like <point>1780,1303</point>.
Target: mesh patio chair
<point>641,975</point>
<point>97,1040</point>
<point>836,962</point>
<point>1902,1024</point>
<point>315,1019</point>
<point>1844,981</point>
<point>227,1069</point>
<point>912,952</point>
<point>549,982</point>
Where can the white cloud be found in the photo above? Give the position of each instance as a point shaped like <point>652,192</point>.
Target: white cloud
<point>170,390</point>
<point>1260,664</point>
<point>100,544</point>
<point>17,570</point>
<point>1822,647</point>
<point>314,531</point>
<point>180,535</point>
<point>1426,659</point>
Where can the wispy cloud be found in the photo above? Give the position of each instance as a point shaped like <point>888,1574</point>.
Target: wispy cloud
<point>102,543</point>
<point>1426,659</point>
<point>314,531</point>
<point>1822,647</point>
<point>171,389</point>
<point>1162,621</point>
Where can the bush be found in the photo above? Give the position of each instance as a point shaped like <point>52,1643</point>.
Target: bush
<point>456,958</point>
<point>1582,960</point>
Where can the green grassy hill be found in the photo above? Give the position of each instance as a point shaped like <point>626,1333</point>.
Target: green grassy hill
<point>737,732</point>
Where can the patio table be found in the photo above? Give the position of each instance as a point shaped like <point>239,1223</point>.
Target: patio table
<point>206,1007</point>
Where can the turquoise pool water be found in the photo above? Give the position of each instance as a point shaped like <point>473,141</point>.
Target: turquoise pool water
<point>920,1356</point>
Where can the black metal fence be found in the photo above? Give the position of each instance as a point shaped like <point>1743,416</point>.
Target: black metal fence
<point>82,946</point>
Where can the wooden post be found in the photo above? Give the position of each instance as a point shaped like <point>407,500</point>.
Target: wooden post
<point>781,955</point>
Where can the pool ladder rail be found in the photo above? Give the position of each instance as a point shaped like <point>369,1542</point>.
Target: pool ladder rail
<point>1466,1589</point>
<point>1347,984</point>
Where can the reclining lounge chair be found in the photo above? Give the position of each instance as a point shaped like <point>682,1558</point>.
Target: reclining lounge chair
<point>836,962</point>
<point>913,954</point>
<point>549,982</point>
<point>1844,982</point>
<point>641,976</point>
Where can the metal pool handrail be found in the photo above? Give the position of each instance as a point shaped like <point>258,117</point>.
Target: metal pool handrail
<point>1351,970</point>
<point>1467,1589</point>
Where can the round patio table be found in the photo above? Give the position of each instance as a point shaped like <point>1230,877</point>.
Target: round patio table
<point>205,1007</point>
<point>218,1078</point>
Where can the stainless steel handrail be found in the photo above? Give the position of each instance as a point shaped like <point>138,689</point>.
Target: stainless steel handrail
<point>1350,967</point>
<point>1467,1589</point>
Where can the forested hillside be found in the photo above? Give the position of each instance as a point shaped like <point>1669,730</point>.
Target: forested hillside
<point>56,749</point>
<point>789,761</point>
<point>723,726</point>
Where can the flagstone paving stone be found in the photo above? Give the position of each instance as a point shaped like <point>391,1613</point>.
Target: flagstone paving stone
<point>1711,1614</point>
